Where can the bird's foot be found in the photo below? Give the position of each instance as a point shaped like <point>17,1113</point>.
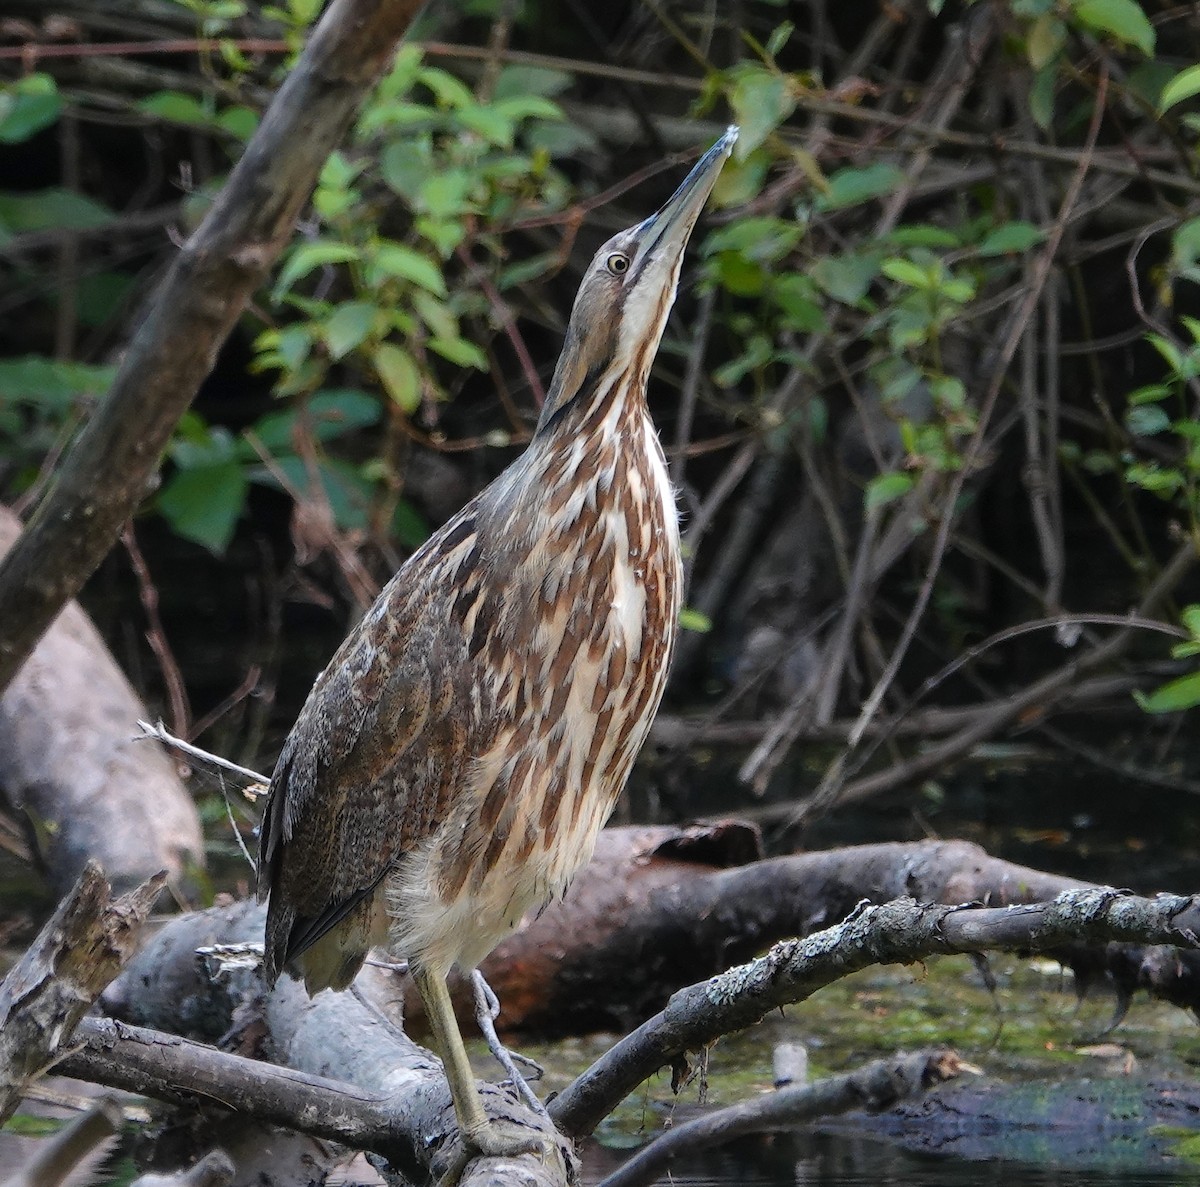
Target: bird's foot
<point>487,1007</point>
<point>493,1140</point>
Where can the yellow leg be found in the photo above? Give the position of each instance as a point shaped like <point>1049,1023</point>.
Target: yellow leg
<point>478,1133</point>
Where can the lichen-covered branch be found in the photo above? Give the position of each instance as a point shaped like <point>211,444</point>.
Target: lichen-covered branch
<point>898,932</point>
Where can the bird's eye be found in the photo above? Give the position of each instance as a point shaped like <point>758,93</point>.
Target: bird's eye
<point>617,263</point>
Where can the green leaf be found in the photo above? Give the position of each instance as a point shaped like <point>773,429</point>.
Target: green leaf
<point>449,90</point>
<point>761,239</point>
<point>397,371</point>
<point>1183,86</point>
<point>906,272</point>
<point>349,327</point>
<point>308,257</point>
<point>176,107</point>
<point>887,488</point>
<point>1183,693</point>
<point>1123,20</point>
<point>525,107</point>
<point>849,187</point>
<point>399,260</point>
<point>445,193</point>
<point>1190,617</point>
<point>1045,39</point>
<point>329,414</point>
<point>761,100</point>
<point>1150,394</point>
<point>779,38</point>
<point>404,165</point>
<point>924,235</point>
<point>42,210</point>
<point>1169,351</point>
<point>846,278</point>
<point>490,123</point>
<point>1041,96</point>
<point>50,383</point>
<point>742,277</point>
<point>349,496</point>
<point>521,82</point>
<point>202,503</point>
<point>239,122</point>
<point>796,296</point>
<point>460,351</point>
<point>1010,237</point>
<point>1145,420</point>
<point>27,106</point>
<point>694,620</point>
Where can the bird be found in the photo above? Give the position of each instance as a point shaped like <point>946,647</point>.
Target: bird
<point>454,762</point>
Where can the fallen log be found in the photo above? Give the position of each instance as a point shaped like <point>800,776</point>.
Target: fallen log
<point>660,907</point>
<point>657,908</point>
<point>72,767</point>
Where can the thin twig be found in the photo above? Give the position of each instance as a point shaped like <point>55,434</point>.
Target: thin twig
<point>973,451</point>
<point>181,712</point>
<point>256,782</point>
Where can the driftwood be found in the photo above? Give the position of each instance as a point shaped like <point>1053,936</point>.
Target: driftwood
<point>660,907</point>
<point>72,1150</point>
<point>656,909</point>
<point>70,761</point>
<point>876,1086</point>
<point>655,899</point>
<point>900,931</point>
<point>55,982</point>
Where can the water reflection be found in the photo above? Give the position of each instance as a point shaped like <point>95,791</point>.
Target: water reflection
<point>838,1160</point>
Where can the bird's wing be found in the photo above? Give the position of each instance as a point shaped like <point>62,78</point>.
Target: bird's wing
<point>383,740</point>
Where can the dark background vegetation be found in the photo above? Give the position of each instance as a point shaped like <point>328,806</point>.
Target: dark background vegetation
<point>929,394</point>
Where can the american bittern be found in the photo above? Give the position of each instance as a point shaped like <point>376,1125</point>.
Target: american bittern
<point>454,762</point>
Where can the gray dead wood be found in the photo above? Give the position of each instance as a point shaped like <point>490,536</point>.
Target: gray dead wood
<point>84,1140</point>
<point>898,932</point>
<point>111,466</point>
<point>341,1067</point>
<point>71,761</point>
<point>47,992</point>
<point>875,1086</point>
<point>215,1169</point>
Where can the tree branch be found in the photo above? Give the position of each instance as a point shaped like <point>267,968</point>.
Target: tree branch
<point>901,931</point>
<point>876,1086</point>
<point>111,466</point>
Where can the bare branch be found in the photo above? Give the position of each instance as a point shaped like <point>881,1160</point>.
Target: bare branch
<point>876,1086</point>
<point>901,931</point>
<point>110,468</point>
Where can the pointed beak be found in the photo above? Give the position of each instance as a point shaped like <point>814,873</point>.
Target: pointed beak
<point>665,234</point>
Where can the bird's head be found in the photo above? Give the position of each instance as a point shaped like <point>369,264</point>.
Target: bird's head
<point>628,289</point>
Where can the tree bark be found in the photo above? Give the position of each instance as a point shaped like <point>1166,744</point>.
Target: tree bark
<point>47,992</point>
<point>111,466</point>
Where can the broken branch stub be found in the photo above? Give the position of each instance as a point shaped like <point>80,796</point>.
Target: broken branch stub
<point>79,951</point>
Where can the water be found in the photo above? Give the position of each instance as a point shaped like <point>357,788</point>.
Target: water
<point>836,1160</point>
